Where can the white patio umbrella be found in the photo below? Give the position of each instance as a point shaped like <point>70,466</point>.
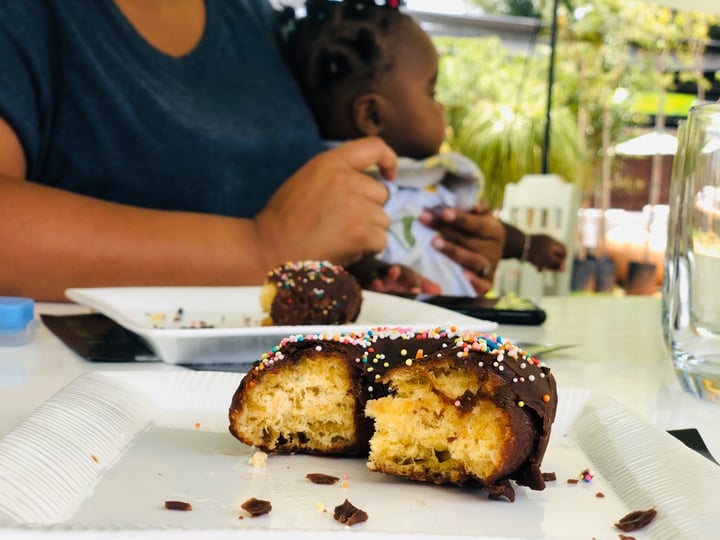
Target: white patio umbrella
<point>648,144</point>
<point>653,144</point>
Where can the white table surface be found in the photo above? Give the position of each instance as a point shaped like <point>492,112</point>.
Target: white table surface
<point>619,353</point>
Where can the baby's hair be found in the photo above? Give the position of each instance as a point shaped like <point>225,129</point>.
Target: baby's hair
<point>339,48</point>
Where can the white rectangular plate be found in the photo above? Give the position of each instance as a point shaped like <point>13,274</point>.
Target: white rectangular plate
<point>108,450</point>
<point>234,314</point>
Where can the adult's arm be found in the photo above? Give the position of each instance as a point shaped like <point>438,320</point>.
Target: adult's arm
<point>51,239</point>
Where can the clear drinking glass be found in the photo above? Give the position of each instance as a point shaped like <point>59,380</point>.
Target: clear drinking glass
<point>691,287</point>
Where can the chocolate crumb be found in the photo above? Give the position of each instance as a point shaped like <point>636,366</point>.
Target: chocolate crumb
<point>256,507</point>
<point>549,476</point>
<point>348,514</point>
<point>600,495</point>
<point>321,478</point>
<point>626,537</point>
<point>178,505</point>
<point>572,480</point>
<point>502,489</point>
<point>636,520</point>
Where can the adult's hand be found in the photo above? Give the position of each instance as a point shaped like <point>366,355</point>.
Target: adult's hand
<point>474,239</point>
<point>330,209</point>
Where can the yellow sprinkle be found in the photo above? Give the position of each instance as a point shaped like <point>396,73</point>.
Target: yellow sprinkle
<point>408,362</point>
<point>157,318</point>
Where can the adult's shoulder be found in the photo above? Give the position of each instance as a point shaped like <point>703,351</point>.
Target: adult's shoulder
<point>29,32</point>
<point>26,19</point>
<point>264,13</point>
<point>28,45</point>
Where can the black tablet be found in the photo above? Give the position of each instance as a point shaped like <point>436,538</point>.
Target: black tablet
<point>503,310</point>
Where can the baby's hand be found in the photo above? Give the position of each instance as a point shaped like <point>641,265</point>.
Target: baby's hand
<point>404,281</point>
<point>436,210</point>
<point>546,253</point>
<point>379,276</point>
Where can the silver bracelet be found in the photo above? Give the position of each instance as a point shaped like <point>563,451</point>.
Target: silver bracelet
<point>526,248</point>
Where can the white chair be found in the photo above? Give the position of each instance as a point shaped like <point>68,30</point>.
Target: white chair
<point>539,203</point>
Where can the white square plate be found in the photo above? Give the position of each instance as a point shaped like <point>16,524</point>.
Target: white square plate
<point>222,325</point>
<point>105,453</point>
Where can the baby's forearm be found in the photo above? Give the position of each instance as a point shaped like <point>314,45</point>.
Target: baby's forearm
<point>514,242</point>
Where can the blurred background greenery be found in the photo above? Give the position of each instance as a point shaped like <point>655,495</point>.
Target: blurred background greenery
<point>616,67</point>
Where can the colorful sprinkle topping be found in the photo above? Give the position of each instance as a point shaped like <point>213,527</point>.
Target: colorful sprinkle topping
<point>292,274</point>
<point>507,360</point>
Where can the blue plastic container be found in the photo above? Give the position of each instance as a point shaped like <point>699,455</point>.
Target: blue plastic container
<point>17,320</point>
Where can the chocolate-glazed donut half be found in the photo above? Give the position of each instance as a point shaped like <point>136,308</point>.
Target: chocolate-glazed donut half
<point>437,405</point>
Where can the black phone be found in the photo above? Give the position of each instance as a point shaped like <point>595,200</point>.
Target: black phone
<point>503,310</point>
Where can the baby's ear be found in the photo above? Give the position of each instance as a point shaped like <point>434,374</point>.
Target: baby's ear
<point>367,114</point>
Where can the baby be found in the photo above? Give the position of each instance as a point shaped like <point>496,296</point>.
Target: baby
<point>371,70</point>
<point>368,69</point>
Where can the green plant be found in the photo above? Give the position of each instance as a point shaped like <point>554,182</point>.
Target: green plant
<point>507,144</point>
<point>496,106</point>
